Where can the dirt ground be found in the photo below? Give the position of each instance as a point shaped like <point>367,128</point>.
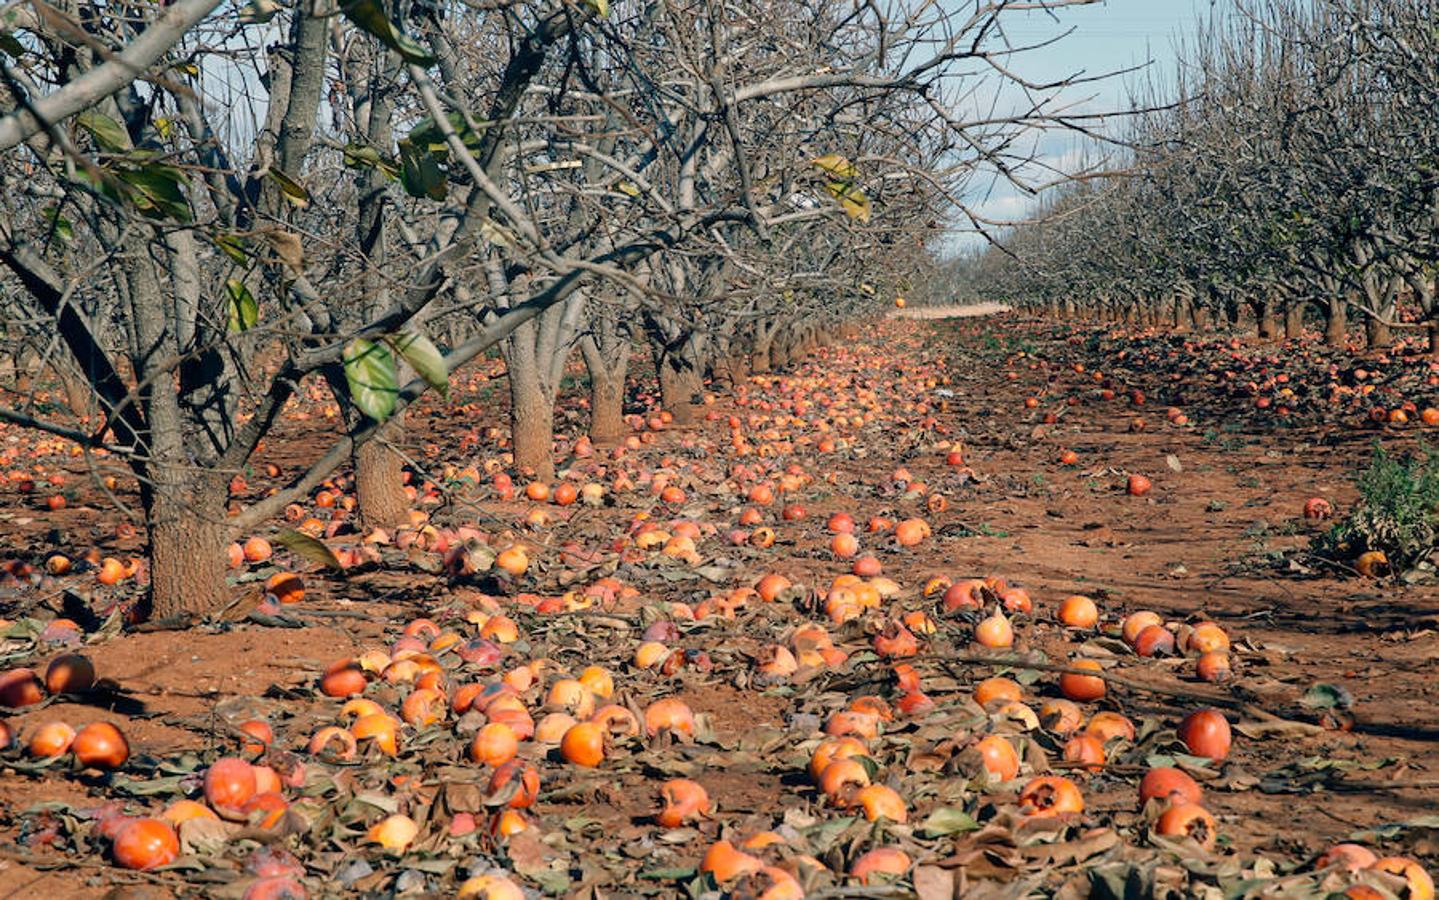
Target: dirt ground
<point>1220,537</point>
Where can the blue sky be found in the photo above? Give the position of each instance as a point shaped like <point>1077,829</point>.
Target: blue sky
<point>1104,37</point>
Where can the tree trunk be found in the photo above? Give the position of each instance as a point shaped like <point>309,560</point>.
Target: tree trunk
<point>77,392</point>
<point>759,358</point>
<point>185,517</point>
<point>1336,324</point>
<point>26,361</point>
<point>607,408</point>
<point>681,389</point>
<point>1377,334</point>
<point>606,352</point>
<point>679,356</point>
<point>379,479</point>
<point>1433,328</point>
<point>1294,321</point>
<point>532,423</point>
<point>1268,322</point>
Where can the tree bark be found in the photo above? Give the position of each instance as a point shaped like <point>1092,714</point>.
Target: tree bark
<point>1268,322</point>
<point>681,389</point>
<point>1378,335</point>
<point>77,392</point>
<point>185,518</point>
<point>759,359</point>
<point>607,408</point>
<point>606,352</point>
<point>532,423</point>
<point>379,479</point>
<point>1294,320</point>
<point>1336,323</point>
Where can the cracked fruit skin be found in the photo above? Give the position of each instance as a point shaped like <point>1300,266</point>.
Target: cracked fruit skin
<point>1188,820</point>
<point>1050,795</point>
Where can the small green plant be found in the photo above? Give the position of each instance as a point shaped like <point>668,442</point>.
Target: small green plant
<point>1397,513</point>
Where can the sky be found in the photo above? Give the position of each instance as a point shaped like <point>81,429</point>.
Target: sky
<point>1103,38</point>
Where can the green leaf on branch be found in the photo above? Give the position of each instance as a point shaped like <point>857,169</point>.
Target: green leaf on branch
<point>358,156</point>
<point>291,189</point>
<point>244,310</point>
<point>370,16</point>
<point>157,191</point>
<point>427,134</point>
<point>373,377</point>
<point>420,173</point>
<point>110,135</point>
<point>313,549</point>
<point>422,354</point>
<point>232,245</point>
<point>601,7</point>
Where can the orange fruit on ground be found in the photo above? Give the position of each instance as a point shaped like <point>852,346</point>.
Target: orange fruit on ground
<point>1050,795</point>
<point>997,688</point>
<point>20,687</point>
<point>1082,688</point>
<point>999,756</point>
<point>344,678</point>
<point>494,745</point>
<point>51,739</point>
<point>286,586</point>
<point>1352,857</point>
<point>832,749</point>
<point>1188,820</point>
<point>184,810</point>
<point>994,632</point>
<point>70,673</point>
<point>584,744</point>
<point>683,800</point>
<point>842,778</point>
<point>889,861</point>
<point>1206,733</point>
<point>229,785</point>
<point>100,745</point>
<point>911,532</point>
<point>881,802</point>
<point>145,844</point>
<point>1078,611</point>
<point>257,549</point>
<point>669,714</point>
<point>1087,750</point>
<point>726,863</point>
<point>1420,884</point>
